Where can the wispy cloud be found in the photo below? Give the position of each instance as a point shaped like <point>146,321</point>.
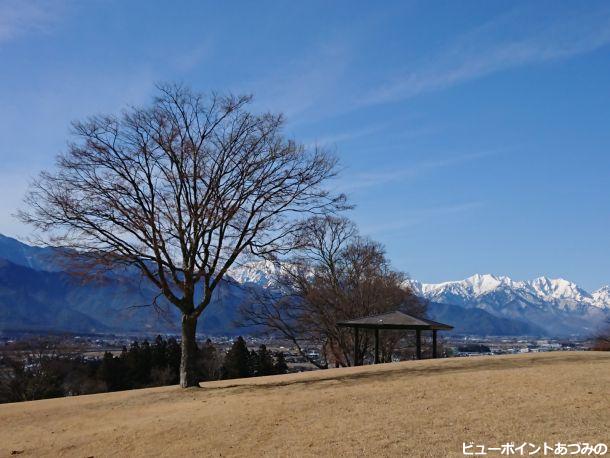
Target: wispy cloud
<point>192,57</point>
<point>492,48</point>
<point>319,85</point>
<point>421,216</point>
<point>345,136</point>
<point>18,17</point>
<point>361,181</point>
<point>304,84</point>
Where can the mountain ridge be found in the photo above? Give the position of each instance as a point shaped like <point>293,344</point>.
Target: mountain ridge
<point>483,304</point>
<point>557,305</point>
<point>542,287</point>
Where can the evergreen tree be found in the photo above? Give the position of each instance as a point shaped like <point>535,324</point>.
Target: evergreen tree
<point>159,353</point>
<point>45,373</point>
<point>138,364</point>
<point>112,371</point>
<point>280,363</point>
<point>173,357</point>
<point>106,373</point>
<point>237,363</point>
<point>145,363</point>
<point>130,358</point>
<point>253,363</point>
<point>209,361</point>
<point>265,362</point>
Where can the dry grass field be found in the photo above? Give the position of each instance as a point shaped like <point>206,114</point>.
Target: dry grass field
<point>420,408</point>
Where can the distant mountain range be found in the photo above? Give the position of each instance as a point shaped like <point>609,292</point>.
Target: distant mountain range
<point>36,295</point>
<point>558,306</point>
<point>495,305</point>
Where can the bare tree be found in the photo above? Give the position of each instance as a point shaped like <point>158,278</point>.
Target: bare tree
<point>180,190</point>
<point>336,275</point>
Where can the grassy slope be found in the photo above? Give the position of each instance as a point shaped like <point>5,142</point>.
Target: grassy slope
<point>423,408</point>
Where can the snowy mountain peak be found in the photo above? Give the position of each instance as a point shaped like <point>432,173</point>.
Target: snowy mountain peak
<point>558,305</point>
<point>605,290</point>
<point>262,272</point>
<point>563,293</point>
<point>481,284</point>
<point>601,297</point>
<point>473,286</point>
<point>559,289</point>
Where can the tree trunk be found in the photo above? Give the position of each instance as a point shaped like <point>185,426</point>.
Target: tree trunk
<point>188,359</point>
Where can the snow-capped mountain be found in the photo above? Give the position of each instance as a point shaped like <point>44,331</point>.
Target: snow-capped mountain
<point>31,279</point>
<point>601,297</point>
<point>544,289</point>
<point>558,305</point>
<point>262,273</point>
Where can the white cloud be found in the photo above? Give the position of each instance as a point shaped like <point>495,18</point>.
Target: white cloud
<point>319,85</point>
<point>360,181</point>
<point>418,217</point>
<point>331,140</point>
<point>194,56</point>
<point>19,17</point>
<point>304,84</point>
<point>512,40</point>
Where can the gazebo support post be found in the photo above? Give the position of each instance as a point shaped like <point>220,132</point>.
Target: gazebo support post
<point>376,345</point>
<point>391,320</point>
<point>355,346</point>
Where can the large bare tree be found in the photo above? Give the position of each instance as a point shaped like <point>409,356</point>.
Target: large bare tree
<point>334,275</point>
<point>181,190</point>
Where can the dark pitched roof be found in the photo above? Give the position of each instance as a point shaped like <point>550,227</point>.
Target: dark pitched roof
<point>394,320</point>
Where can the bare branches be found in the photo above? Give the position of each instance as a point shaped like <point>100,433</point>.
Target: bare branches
<point>335,275</point>
<point>181,190</point>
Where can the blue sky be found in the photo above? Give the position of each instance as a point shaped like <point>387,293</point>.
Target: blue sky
<point>474,136</point>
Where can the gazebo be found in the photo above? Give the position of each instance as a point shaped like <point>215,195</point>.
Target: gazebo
<point>395,320</point>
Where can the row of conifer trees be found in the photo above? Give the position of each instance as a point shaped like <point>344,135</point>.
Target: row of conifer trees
<point>44,371</point>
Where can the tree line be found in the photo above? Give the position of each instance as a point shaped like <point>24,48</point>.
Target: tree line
<point>41,369</point>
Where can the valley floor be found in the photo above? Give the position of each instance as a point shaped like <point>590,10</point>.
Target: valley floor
<point>419,408</point>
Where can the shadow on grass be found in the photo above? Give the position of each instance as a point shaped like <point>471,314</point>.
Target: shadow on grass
<point>405,369</point>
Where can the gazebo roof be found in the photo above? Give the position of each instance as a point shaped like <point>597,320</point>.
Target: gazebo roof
<point>394,320</point>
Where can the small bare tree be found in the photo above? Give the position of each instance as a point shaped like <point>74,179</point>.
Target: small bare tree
<point>336,275</point>
<point>180,190</point>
